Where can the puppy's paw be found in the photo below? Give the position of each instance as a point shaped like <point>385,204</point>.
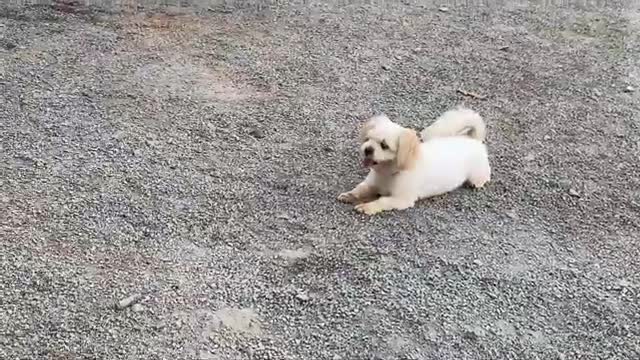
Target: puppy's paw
<point>370,208</point>
<point>480,178</point>
<point>478,184</point>
<point>347,198</point>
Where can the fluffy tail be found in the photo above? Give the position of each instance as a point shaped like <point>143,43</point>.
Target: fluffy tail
<point>457,122</point>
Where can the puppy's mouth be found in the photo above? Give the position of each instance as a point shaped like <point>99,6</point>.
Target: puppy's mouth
<point>368,162</point>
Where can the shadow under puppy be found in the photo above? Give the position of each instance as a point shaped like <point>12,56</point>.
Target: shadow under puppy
<point>402,169</point>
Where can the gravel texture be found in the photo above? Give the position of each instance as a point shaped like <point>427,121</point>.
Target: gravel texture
<point>168,182</point>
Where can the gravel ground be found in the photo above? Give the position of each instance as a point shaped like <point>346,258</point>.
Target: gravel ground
<point>191,158</point>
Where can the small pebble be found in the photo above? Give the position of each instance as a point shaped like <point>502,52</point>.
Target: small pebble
<point>629,89</point>
<point>256,133</point>
<point>574,193</point>
<point>564,184</point>
<point>443,9</point>
<point>512,214</point>
<point>473,334</point>
<point>302,296</point>
<point>283,216</point>
<point>137,308</point>
<point>126,302</point>
<point>624,284</point>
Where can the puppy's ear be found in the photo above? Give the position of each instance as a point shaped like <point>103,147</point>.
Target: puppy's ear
<point>408,146</point>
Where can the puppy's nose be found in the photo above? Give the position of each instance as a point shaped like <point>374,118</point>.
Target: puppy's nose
<point>368,151</point>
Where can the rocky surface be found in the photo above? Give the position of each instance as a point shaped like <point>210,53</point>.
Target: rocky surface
<point>168,182</point>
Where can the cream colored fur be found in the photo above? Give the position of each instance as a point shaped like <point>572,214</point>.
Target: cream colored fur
<point>404,170</point>
<point>459,121</point>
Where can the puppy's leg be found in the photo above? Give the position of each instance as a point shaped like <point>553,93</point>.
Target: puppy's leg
<point>385,203</point>
<point>361,192</point>
<point>480,175</point>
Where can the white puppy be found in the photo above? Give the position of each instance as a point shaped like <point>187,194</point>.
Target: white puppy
<point>404,170</point>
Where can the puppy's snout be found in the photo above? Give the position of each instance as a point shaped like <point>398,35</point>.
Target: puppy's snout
<point>368,151</point>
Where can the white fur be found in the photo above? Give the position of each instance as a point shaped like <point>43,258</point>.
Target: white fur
<point>442,163</point>
<point>459,121</point>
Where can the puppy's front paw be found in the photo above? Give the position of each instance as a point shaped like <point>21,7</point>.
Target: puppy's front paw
<point>370,208</point>
<point>347,198</point>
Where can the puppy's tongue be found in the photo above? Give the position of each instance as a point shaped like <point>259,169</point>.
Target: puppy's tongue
<point>366,162</point>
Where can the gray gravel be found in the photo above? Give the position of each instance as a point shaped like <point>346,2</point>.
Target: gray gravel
<point>190,159</point>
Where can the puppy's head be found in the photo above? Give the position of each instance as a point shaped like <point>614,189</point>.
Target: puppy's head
<point>386,144</point>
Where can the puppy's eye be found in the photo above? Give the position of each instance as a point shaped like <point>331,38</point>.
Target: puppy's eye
<point>383,145</point>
